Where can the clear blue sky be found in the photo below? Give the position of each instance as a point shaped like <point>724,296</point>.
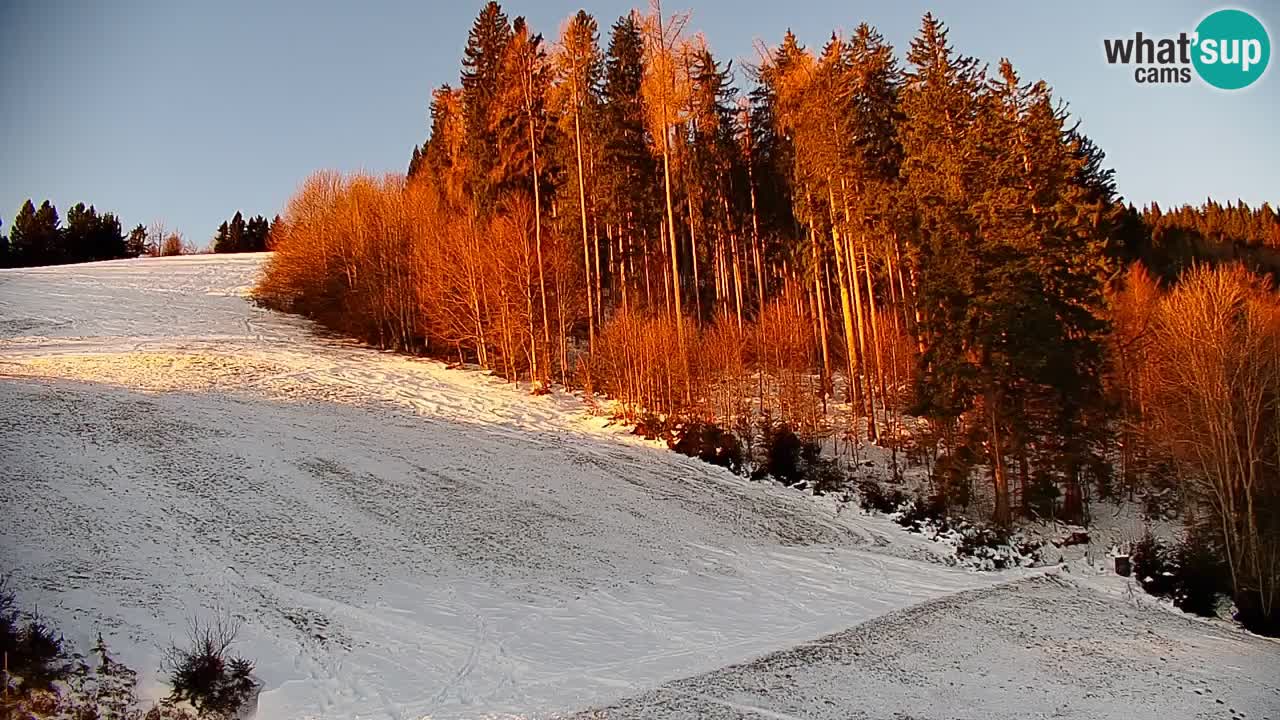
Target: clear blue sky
<point>187,111</point>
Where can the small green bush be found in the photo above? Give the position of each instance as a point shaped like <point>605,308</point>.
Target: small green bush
<point>1190,572</point>
<point>215,682</point>
<point>875,497</point>
<point>919,513</point>
<point>34,649</point>
<point>822,473</point>
<point>710,443</point>
<point>782,449</point>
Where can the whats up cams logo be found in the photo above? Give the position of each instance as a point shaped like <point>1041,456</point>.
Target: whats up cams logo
<point>1229,50</point>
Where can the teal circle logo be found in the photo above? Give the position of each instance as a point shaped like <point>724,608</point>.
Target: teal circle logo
<point>1232,49</point>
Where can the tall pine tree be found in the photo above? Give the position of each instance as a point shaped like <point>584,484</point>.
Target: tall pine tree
<point>136,244</point>
<point>578,65</point>
<point>35,238</point>
<point>627,177</point>
<point>941,102</point>
<point>481,83</point>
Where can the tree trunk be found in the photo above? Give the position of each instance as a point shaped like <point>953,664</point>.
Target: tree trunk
<point>821,312</point>
<point>586,250</point>
<point>671,228</point>
<point>846,308</point>
<point>755,242</point>
<point>595,249</point>
<point>737,278</point>
<point>866,391</point>
<point>537,235</point>
<point>693,262</point>
<point>999,478</point>
<point>875,323</point>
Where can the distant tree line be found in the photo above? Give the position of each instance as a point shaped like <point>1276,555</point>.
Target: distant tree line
<point>236,235</point>
<point>1169,242</point>
<point>38,236</point>
<point>849,241</point>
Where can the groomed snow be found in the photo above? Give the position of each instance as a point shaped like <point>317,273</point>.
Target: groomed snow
<point>1046,647</point>
<point>400,540</point>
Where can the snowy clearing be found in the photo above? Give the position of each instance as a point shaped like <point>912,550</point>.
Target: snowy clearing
<point>402,540</point>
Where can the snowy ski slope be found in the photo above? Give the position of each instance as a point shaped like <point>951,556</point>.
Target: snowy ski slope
<point>400,540</point>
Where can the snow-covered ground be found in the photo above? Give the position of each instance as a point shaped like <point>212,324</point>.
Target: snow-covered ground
<point>402,540</point>
<point>1045,647</point>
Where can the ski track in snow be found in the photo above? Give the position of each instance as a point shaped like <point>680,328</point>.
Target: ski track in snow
<point>400,540</point>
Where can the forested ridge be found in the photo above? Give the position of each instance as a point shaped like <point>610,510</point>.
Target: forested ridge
<point>853,240</point>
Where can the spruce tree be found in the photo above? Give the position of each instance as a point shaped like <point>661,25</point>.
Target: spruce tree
<point>1009,235</point>
<point>261,230</point>
<point>415,161</point>
<point>578,66</point>
<point>815,101</point>
<point>942,161</point>
<point>136,244</point>
<point>1074,215</point>
<point>873,210</point>
<point>274,231</point>
<point>109,241</point>
<point>772,157</point>
<point>89,236</point>
<point>35,238</point>
<point>712,170</point>
<point>222,240</point>
<point>236,233</point>
<point>627,177</point>
<point>481,82</point>
<point>79,235</point>
<point>444,156</point>
<point>518,114</point>
<point>775,144</point>
<point>256,232</point>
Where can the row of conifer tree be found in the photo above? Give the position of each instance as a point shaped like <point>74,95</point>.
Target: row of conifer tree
<point>240,235</point>
<point>39,237</point>
<point>851,240</point>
